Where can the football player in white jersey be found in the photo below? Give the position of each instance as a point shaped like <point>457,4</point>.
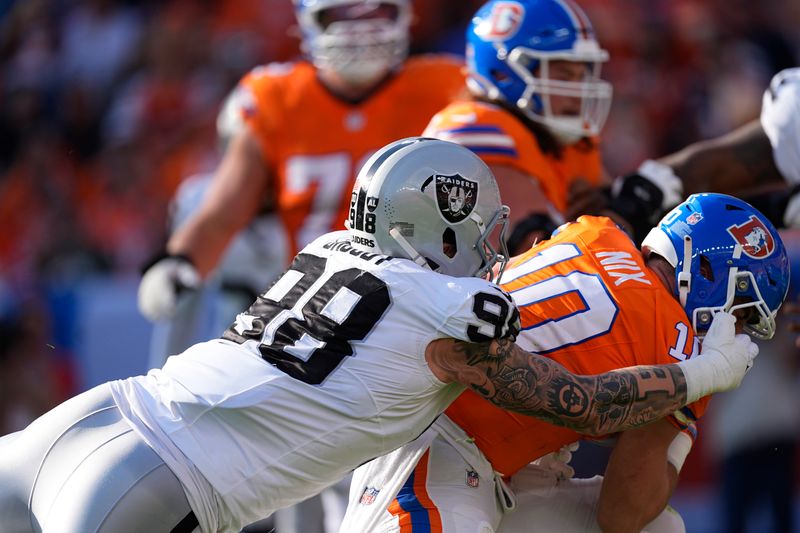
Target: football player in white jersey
<point>354,351</point>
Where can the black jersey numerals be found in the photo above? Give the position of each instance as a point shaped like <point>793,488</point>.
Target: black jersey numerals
<point>307,331</point>
<point>498,317</point>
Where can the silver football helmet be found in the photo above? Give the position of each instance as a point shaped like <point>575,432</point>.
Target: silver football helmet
<point>431,201</point>
<point>359,40</point>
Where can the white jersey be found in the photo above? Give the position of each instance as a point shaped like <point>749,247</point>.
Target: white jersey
<point>325,371</point>
<point>255,256</point>
<point>780,118</point>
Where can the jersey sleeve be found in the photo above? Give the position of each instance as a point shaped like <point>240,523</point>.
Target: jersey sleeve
<point>258,98</point>
<point>479,312</point>
<point>495,135</point>
<point>780,118</point>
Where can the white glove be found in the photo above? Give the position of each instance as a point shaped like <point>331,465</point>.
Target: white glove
<point>664,178</point>
<point>161,285</point>
<point>557,463</point>
<point>723,360</point>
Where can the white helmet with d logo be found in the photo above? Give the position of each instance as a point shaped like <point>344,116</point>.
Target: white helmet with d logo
<point>431,201</point>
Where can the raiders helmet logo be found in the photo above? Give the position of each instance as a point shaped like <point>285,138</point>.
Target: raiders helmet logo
<point>456,197</point>
<point>755,238</point>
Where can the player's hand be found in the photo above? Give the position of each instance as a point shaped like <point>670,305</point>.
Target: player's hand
<point>583,198</point>
<point>724,359</point>
<point>644,196</point>
<point>557,463</point>
<point>162,284</point>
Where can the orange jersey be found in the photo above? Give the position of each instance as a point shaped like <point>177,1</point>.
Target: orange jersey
<point>314,143</point>
<point>501,138</point>
<point>586,300</point>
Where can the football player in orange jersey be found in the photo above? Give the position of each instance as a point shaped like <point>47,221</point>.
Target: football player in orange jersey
<point>589,299</point>
<point>310,126</point>
<point>537,103</point>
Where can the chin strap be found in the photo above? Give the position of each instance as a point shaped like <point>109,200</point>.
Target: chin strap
<point>685,275</point>
<point>407,248</point>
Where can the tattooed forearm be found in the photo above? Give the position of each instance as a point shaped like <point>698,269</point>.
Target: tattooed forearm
<point>534,385</point>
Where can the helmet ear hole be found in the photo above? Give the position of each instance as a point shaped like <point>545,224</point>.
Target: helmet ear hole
<point>498,76</point>
<point>449,246</point>
<point>706,270</point>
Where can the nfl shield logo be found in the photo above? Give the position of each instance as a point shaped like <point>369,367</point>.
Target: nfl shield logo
<point>694,218</point>
<point>755,238</point>
<point>368,496</point>
<point>456,197</point>
<point>472,478</point>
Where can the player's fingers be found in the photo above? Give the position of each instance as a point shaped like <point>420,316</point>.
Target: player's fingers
<point>723,325</point>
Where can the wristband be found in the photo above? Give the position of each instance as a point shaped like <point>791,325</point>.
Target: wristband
<point>678,450</point>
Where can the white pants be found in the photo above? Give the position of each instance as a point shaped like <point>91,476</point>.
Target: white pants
<point>322,513</point>
<point>547,504</point>
<point>80,468</point>
<point>450,487</point>
<point>427,485</point>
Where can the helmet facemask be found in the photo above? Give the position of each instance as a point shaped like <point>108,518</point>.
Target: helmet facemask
<point>357,41</point>
<point>741,295</point>
<point>727,257</point>
<point>536,102</point>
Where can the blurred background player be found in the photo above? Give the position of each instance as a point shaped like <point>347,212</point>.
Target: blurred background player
<point>255,257</point>
<point>472,467</point>
<point>310,126</point>
<point>537,105</point>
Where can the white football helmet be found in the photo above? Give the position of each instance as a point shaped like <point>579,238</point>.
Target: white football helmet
<point>359,40</point>
<point>431,201</point>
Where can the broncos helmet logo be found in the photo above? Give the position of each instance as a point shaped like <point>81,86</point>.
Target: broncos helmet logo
<point>503,22</point>
<point>756,240</point>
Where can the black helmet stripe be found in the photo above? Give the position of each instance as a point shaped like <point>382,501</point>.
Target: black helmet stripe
<point>370,172</point>
<point>398,145</point>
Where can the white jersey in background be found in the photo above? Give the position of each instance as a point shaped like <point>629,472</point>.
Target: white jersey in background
<point>255,257</point>
<point>780,118</point>
<point>253,449</point>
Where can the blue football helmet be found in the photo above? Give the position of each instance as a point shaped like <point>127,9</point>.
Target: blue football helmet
<point>358,40</point>
<point>727,257</point>
<point>510,49</point>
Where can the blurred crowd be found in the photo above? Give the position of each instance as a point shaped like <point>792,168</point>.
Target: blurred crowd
<point>106,105</point>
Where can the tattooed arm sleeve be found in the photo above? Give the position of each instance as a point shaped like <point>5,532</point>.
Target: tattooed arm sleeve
<point>531,384</point>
